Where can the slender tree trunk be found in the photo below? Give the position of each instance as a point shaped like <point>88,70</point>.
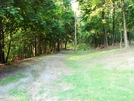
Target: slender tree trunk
<point>31,51</point>
<point>80,34</point>
<point>75,31</point>
<point>113,22</point>
<point>2,58</point>
<point>35,46</point>
<point>9,48</point>
<point>39,45</point>
<point>66,44</point>
<point>93,40</point>
<point>104,31</point>
<point>58,44</point>
<point>121,40</point>
<point>124,25</point>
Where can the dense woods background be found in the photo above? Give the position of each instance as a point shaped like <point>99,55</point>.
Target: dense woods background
<point>33,27</point>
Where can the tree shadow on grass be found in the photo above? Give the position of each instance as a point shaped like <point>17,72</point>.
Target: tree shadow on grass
<point>6,70</point>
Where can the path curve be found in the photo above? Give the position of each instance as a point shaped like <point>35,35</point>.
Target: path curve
<point>41,78</point>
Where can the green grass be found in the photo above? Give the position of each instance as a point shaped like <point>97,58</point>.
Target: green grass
<point>18,94</point>
<point>79,58</point>
<point>95,82</point>
<point>12,78</point>
<point>41,90</point>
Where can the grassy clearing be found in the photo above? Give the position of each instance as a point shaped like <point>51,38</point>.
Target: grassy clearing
<point>95,82</point>
<point>11,79</point>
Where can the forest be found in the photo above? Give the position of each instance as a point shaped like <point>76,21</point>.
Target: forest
<point>66,50</point>
<point>32,27</point>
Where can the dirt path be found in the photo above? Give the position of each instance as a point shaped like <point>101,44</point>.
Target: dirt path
<point>39,82</point>
<point>41,78</point>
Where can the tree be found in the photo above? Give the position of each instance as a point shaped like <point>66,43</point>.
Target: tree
<point>110,13</point>
<point>113,22</point>
<point>124,24</point>
<point>4,7</point>
<point>2,58</point>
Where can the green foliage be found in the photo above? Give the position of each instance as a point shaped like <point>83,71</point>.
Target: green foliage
<point>112,21</point>
<point>83,47</point>
<point>130,13</point>
<point>24,21</point>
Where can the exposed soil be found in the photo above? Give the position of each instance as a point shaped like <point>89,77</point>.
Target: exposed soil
<point>41,73</point>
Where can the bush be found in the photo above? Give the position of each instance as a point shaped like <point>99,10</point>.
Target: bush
<point>83,47</point>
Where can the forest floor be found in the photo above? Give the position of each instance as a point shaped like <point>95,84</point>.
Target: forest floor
<point>100,75</point>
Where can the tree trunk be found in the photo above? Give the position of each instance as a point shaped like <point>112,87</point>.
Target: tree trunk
<point>66,44</point>
<point>124,24</point>
<point>9,47</point>
<point>35,46</point>
<point>113,22</point>
<point>121,40</point>
<point>80,34</point>
<point>104,31</point>
<point>58,44</point>
<point>39,45</point>
<point>75,31</point>
<point>2,58</point>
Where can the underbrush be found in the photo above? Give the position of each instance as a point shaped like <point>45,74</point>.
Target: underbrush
<point>84,47</point>
<point>80,47</point>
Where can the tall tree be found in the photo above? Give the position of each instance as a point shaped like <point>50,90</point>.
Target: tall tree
<point>124,24</point>
<point>104,27</point>
<point>2,58</point>
<point>113,22</point>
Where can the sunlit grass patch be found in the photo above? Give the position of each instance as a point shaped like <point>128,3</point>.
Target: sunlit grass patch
<point>99,85</point>
<point>12,78</point>
<point>95,82</point>
<point>80,54</point>
<point>41,90</point>
<point>78,60</point>
<point>18,94</point>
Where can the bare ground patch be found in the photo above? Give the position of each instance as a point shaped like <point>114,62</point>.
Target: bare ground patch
<point>40,82</point>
